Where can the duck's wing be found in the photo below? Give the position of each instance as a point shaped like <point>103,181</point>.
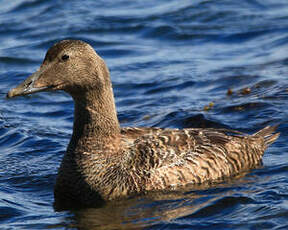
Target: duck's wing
<point>165,147</point>
<point>169,158</point>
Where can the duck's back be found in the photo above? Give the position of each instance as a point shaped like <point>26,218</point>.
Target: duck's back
<point>169,158</point>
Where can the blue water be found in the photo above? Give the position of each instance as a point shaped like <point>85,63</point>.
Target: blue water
<point>168,60</point>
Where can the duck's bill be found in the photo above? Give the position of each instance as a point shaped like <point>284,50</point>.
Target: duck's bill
<point>27,87</point>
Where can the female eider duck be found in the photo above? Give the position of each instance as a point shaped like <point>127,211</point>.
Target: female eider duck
<point>104,161</point>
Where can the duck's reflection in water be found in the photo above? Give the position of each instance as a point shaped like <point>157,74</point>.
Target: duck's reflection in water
<point>156,208</point>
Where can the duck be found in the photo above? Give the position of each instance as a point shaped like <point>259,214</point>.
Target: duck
<point>105,162</point>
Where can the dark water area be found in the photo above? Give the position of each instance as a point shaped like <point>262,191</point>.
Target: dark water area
<point>168,60</point>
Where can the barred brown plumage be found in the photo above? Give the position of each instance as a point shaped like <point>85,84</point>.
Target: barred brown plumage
<point>105,162</point>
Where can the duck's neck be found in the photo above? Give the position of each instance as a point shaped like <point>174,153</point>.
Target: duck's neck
<point>95,120</point>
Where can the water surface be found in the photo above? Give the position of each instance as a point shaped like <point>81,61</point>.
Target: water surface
<point>168,60</point>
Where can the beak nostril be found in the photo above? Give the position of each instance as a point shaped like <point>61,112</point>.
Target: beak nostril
<point>29,83</point>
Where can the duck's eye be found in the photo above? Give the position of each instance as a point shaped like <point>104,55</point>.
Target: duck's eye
<point>65,57</point>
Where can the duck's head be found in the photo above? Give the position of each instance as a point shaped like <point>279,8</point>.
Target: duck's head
<point>69,65</point>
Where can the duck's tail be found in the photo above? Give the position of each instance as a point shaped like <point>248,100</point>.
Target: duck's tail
<point>269,135</point>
